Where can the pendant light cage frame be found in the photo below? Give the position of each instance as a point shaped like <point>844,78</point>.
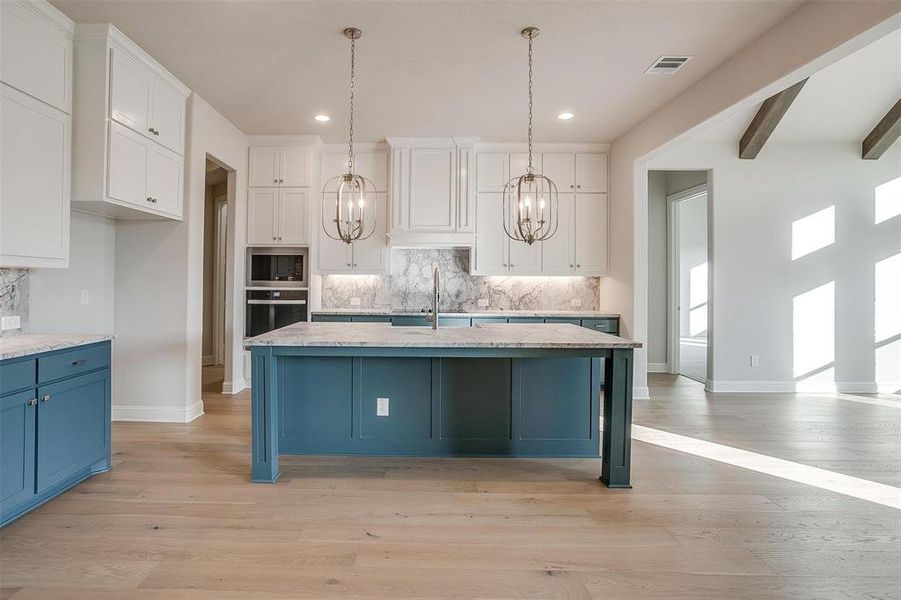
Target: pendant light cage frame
<point>353,217</point>
<point>531,202</point>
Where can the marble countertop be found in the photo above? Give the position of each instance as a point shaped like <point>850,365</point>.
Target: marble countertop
<point>572,314</point>
<point>495,335</point>
<point>23,344</point>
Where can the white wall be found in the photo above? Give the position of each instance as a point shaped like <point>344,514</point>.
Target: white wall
<point>55,294</point>
<point>759,307</point>
<point>159,285</point>
<point>814,36</point>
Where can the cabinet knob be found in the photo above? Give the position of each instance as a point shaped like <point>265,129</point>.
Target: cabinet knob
<point>511,265</point>
<point>570,266</point>
<point>151,199</point>
<point>275,181</point>
<point>355,264</point>
<point>79,362</point>
<point>32,402</point>
<point>571,187</point>
<point>348,264</point>
<point>578,266</point>
<point>578,187</point>
<point>45,398</point>
<point>281,181</point>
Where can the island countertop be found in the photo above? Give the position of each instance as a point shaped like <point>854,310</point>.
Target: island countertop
<point>26,344</point>
<point>383,335</point>
<point>572,314</point>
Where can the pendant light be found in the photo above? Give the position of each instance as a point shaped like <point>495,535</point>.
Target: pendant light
<point>345,216</point>
<point>530,202</point>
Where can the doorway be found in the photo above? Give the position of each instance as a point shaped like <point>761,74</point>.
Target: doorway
<point>689,282</point>
<point>215,253</point>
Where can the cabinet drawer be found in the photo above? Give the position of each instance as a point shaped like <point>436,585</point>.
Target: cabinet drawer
<point>371,318</point>
<point>331,318</point>
<point>454,321</point>
<point>563,320</point>
<point>488,320</point>
<point>16,376</point>
<point>603,325</point>
<point>73,362</point>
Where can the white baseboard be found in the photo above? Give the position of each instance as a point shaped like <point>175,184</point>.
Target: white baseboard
<point>206,360</point>
<point>791,387</point>
<point>641,392</point>
<point>158,414</point>
<point>658,368</point>
<point>233,387</point>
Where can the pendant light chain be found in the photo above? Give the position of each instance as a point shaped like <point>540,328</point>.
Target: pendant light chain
<point>350,137</point>
<point>530,169</point>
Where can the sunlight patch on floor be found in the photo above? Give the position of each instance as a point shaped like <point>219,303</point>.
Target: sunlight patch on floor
<point>854,487</point>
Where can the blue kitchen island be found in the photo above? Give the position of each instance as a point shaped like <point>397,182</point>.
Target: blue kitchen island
<point>523,390</point>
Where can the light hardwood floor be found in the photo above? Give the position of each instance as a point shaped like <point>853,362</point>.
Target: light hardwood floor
<point>177,519</point>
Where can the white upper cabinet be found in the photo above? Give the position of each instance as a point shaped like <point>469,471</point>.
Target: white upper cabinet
<point>432,191</point>
<point>262,216</point>
<point>35,134</point>
<point>293,218</point>
<point>129,144</point>
<point>579,246</point>
<point>279,165</point>
<point>278,217</point>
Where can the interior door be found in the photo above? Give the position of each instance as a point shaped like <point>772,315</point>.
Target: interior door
<point>262,215</point>
<point>591,173</point>
<point>557,252</point>
<point>369,255</point>
<point>264,166</point>
<point>294,166</point>
<point>294,227</point>
<point>591,234</point>
<point>130,93</point>
<point>164,180</point>
<point>126,173</point>
<point>168,112</point>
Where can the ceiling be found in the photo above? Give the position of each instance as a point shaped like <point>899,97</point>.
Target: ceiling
<point>841,103</point>
<point>435,68</point>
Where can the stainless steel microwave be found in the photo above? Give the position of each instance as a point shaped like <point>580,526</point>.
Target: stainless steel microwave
<point>278,267</point>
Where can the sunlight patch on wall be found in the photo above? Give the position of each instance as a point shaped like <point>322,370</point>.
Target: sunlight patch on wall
<point>888,200</point>
<point>887,322</point>
<point>697,299</point>
<point>813,232</point>
<point>813,330</point>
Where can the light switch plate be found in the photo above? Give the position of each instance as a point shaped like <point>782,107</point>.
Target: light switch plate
<point>85,298</point>
<point>13,322</point>
<point>381,407</point>
<point>755,360</point>
<point>355,302</point>
<point>576,303</point>
<point>483,302</point>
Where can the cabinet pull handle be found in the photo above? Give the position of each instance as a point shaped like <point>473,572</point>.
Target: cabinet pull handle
<point>154,131</point>
<point>45,398</point>
<point>32,402</point>
<point>79,362</point>
<point>149,199</point>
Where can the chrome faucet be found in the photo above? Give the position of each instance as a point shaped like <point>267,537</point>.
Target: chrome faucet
<point>436,281</point>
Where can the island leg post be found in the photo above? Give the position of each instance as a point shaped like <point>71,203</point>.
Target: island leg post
<point>616,443</point>
<point>264,414</point>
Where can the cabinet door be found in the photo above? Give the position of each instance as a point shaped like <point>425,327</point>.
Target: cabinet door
<point>433,193</point>
<point>557,252</point>
<point>17,431</point>
<point>262,217</point>
<point>34,187</point>
<point>591,173</point>
<point>492,171</point>
<point>491,241</point>
<point>264,166</point>
<point>293,220</point>
<point>126,172</point>
<point>591,234</point>
<point>520,162</point>
<point>525,259</point>
<point>559,167</point>
<point>130,92</point>
<point>168,118</point>
<point>164,179</point>
<point>294,167</point>
<point>334,255</point>
<point>369,255</point>
<point>74,431</point>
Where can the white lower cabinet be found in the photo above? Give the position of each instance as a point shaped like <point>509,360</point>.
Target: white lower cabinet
<point>278,217</point>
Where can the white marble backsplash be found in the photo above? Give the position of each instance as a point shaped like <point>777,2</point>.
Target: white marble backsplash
<point>14,296</point>
<point>409,287</point>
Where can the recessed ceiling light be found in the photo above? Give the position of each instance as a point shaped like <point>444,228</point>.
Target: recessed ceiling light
<point>323,118</point>
<point>565,116</point>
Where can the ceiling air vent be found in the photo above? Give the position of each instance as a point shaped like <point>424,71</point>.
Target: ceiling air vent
<point>667,65</point>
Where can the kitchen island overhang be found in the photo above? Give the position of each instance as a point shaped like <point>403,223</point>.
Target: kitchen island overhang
<point>527,390</point>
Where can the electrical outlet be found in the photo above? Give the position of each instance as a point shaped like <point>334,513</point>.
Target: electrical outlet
<point>14,322</point>
<point>576,303</point>
<point>483,302</point>
<point>381,407</point>
<point>85,298</point>
<point>355,302</point>
<point>755,361</point>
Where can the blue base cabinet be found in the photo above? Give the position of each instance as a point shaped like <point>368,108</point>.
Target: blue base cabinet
<point>54,424</point>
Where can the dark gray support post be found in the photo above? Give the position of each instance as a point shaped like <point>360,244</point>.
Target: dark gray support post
<point>264,412</point>
<point>616,444</point>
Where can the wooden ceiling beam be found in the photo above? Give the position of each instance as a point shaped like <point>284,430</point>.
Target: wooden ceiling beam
<point>764,123</point>
<point>886,132</point>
